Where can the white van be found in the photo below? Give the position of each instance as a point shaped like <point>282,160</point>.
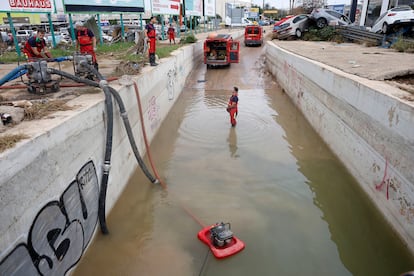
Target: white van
<point>23,35</point>
<point>244,22</point>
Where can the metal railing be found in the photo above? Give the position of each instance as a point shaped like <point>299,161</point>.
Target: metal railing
<point>359,34</point>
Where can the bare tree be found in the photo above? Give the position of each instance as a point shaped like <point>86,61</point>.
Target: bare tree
<point>309,5</point>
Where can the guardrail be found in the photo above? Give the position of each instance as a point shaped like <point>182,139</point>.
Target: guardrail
<point>362,35</point>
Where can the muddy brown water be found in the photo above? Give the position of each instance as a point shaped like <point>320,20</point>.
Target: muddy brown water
<point>272,177</point>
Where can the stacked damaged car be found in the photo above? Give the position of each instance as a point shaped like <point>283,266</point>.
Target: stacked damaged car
<point>295,26</point>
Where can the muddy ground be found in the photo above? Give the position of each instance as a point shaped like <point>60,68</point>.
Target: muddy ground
<point>16,90</point>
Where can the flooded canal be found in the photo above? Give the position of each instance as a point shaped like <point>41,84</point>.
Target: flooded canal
<point>284,192</point>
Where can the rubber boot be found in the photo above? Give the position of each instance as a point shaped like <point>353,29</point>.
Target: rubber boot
<point>152,60</point>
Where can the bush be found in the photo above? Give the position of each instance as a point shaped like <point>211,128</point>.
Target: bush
<point>327,33</point>
<point>190,38</point>
<point>403,46</point>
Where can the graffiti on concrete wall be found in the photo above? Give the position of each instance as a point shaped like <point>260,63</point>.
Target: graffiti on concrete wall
<point>153,113</point>
<point>393,190</point>
<point>60,231</point>
<point>172,74</point>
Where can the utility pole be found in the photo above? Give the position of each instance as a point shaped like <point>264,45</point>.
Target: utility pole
<point>263,9</point>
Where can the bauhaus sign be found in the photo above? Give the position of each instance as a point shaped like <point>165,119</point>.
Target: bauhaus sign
<point>26,5</point>
<point>104,5</point>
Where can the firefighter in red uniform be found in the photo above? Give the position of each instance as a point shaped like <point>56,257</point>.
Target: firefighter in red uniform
<point>171,33</point>
<point>86,42</point>
<point>232,106</point>
<point>35,47</point>
<point>152,37</point>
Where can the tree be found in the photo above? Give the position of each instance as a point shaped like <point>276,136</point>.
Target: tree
<point>309,5</point>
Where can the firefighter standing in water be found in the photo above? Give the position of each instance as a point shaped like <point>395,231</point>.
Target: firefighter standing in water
<point>151,36</point>
<point>86,42</point>
<point>232,106</point>
<point>35,47</point>
<point>171,33</point>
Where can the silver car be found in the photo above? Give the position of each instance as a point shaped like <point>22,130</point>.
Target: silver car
<point>324,17</point>
<point>293,27</point>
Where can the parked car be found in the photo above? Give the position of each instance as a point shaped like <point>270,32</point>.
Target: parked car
<point>59,39</point>
<point>398,16</point>
<point>183,28</point>
<point>159,30</point>
<point>264,22</point>
<point>276,27</point>
<point>324,17</point>
<point>6,38</point>
<point>294,27</point>
<point>23,35</point>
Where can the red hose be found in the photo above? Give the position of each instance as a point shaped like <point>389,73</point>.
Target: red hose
<point>164,186</point>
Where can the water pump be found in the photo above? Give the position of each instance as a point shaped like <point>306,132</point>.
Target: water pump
<point>221,235</point>
<point>40,80</point>
<point>79,62</point>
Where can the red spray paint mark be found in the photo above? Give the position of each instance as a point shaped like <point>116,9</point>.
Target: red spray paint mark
<point>381,184</point>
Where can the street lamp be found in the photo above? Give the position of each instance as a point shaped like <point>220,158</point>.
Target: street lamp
<point>263,8</point>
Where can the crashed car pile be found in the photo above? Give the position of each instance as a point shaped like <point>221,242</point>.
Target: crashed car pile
<point>294,26</point>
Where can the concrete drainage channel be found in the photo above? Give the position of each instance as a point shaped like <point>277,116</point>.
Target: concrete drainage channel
<point>60,205</point>
<point>373,143</point>
<point>364,123</point>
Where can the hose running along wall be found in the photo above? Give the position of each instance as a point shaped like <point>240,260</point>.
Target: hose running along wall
<point>109,92</point>
<point>108,148</point>
<point>131,136</point>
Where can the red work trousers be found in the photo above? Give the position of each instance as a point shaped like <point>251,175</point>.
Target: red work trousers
<point>152,45</point>
<point>233,115</point>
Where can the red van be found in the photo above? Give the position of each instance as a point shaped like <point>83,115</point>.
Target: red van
<point>220,49</point>
<point>253,35</point>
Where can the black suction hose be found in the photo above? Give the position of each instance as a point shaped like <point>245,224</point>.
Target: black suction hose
<point>131,136</point>
<point>72,77</point>
<point>107,162</point>
<point>128,128</point>
<point>108,149</point>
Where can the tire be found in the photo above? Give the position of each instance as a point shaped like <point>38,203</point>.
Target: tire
<point>321,23</point>
<point>384,28</point>
<point>298,33</point>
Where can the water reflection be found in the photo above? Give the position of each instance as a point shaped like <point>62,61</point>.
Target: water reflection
<point>351,218</point>
<point>232,140</point>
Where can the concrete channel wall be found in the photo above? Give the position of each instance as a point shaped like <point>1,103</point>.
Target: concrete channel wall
<point>50,182</point>
<point>369,130</point>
